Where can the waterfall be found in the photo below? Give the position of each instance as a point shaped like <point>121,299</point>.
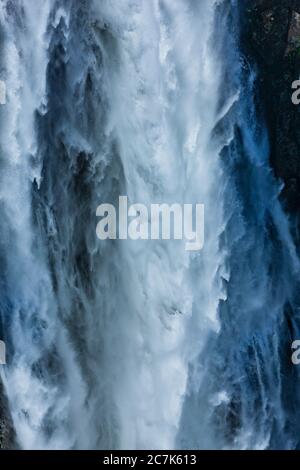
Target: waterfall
<point>123,344</point>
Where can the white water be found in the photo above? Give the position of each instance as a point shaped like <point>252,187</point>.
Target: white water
<point>115,344</point>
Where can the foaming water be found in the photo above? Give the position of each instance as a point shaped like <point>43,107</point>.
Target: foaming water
<point>138,344</point>
<point>37,355</point>
<point>245,393</point>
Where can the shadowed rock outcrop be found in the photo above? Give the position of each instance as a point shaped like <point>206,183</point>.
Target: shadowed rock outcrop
<point>271,39</point>
<point>7,434</point>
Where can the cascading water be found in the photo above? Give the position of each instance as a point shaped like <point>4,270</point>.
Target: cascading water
<point>139,344</point>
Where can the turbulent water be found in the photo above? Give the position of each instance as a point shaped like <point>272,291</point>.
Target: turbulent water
<point>128,345</point>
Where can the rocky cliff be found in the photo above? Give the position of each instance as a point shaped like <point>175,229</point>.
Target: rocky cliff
<point>7,435</point>
<point>271,40</point>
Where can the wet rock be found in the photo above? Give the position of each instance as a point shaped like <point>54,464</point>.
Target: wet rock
<point>7,434</point>
<point>271,40</point>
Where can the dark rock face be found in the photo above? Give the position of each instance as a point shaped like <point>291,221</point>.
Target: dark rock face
<point>7,434</point>
<point>271,40</point>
